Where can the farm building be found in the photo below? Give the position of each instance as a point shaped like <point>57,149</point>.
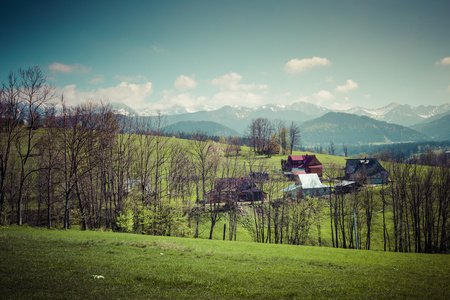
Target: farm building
<point>302,164</point>
<point>235,189</point>
<point>307,185</point>
<point>366,170</point>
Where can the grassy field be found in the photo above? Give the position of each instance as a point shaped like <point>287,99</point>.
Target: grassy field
<point>60,264</point>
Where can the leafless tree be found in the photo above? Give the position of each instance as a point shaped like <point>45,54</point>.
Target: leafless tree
<point>206,157</point>
<point>345,149</point>
<point>259,134</point>
<point>51,150</point>
<point>11,115</point>
<point>294,135</point>
<point>332,148</point>
<point>34,93</point>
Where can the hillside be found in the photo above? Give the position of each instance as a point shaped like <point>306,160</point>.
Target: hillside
<point>349,129</point>
<point>70,264</point>
<point>437,129</point>
<point>208,127</point>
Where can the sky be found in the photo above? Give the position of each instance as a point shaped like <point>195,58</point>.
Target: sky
<point>155,54</point>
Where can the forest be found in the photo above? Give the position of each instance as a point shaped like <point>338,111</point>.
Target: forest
<point>64,166</point>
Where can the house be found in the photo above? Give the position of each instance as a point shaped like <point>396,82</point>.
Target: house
<point>366,170</point>
<point>307,185</point>
<point>302,164</point>
<point>235,189</point>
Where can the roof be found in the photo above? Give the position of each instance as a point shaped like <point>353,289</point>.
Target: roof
<point>368,166</point>
<point>297,157</point>
<point>306,160</point>
<point>316,167</point>
<point>310,181</point>
<point>291,188</point>
<point>236,184</point>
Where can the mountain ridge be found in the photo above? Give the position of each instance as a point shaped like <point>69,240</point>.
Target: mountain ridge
<point>349,129</point>
<point>300,111</point>
<point>238,118</point>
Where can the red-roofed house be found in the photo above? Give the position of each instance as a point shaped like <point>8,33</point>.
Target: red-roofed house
<point>303,164</point>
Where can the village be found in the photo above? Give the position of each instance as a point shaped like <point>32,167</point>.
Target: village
<point>307,177</point>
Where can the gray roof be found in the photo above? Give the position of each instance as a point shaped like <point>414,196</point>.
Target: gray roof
<point>368,166</point>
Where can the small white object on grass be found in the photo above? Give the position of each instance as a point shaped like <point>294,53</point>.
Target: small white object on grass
<point>98,276</point>
<point>162,253</point>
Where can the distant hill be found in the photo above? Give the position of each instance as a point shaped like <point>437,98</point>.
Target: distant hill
<point>349,129</point>
<point>239,118</point>
<point>210,128</point>
<point>438,129</point>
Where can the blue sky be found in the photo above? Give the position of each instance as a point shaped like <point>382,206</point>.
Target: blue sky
<point>153,54</point>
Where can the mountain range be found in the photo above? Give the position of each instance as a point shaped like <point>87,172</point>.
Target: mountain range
<point>393,120</point>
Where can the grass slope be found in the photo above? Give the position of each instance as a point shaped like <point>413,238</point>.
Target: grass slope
<point>209,127</point>
<point>57,264</point>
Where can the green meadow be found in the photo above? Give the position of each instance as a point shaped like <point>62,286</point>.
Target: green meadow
<point>39,263</point>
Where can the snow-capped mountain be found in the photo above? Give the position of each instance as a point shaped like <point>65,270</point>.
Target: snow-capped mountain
<point>175,110</point>
<point>402,114</point>
<point>238,117</point>
<point>123,109</point>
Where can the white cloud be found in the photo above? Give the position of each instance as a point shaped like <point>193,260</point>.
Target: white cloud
<point>323,96</point>
<point>444,62</point>
<point>63,68</point>
<point>97,79</point>
<point>233,92</point>
<point>241,98</point>
<point>348,86</point>
<point>184,82</point>
<point>300,65</point>
<point>137,78</point>
<point>231,81</point>
<point>304,99</point>
<point>171,99</point>
<point>133,95</point>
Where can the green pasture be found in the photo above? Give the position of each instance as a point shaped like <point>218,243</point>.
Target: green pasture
<point>60,264</point>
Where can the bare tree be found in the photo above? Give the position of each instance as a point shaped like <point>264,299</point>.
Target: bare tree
<point>345,149</point>
<point>281,131</point>
<point>332,148</point>
<point>206,157</point>
<point>34,94</point>
<point>294,135</point>
<point>11,115</point>
<point>259,134</point>
<point>51,150</point>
